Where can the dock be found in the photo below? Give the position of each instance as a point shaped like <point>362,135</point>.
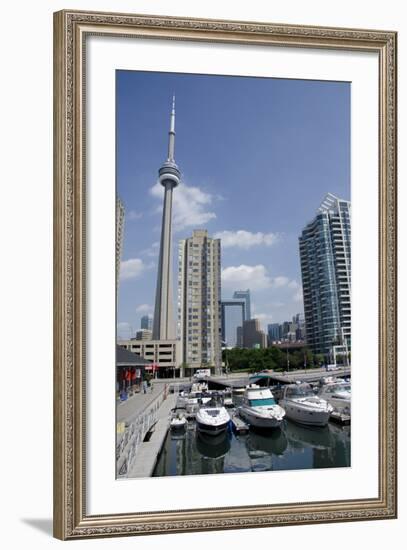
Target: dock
<point>239,426</point>
<point>340,418</point>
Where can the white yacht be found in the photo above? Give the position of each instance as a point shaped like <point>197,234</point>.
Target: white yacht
<point>303,406</point>
<point>212,420</point>
<point>337,393</point>
<point>260,409</point>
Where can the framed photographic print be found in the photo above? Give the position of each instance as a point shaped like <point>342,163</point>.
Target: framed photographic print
<point>225,274</point>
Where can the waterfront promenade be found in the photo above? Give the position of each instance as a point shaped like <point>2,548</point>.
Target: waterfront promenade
<point>138,403</point>
<point>135,418</point>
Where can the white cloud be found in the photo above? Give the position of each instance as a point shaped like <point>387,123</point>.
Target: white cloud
<point>144,308</point>
<point>131,269</point>
<point>293,284</point>
<point>153,251</point>
<point>124,330</point>
<point>134,215</point>
<point>254,277</point>
<point>280,281</point>
<point>298,296</point>
<point>190,205</point>
<point>245,239</point>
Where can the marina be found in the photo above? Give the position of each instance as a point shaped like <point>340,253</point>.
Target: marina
<point>185,428</point>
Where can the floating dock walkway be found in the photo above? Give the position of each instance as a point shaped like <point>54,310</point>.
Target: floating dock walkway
<point>239,426</point>
<point>340,418</point>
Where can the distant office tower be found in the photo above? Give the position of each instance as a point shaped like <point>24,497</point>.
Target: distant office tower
<point>325,252</point>
<point>273,332</point>
<point>285,328</point>
<point>144,334</point>
<point>253,336</point>
<point>146,322</point>
<point>169,177</point>
<point>233,316</point>
<point>239,337</point>
<point>300,330</point>
<point>119,238</point>
<point>244,295</point>
<point>199,306</point>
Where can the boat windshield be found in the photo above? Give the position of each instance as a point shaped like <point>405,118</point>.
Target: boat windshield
<point>302,390</point>
<point>342,387</point>
<point>261,402</point>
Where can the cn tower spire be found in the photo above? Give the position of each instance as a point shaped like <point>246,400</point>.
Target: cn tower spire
<point>171,135</point>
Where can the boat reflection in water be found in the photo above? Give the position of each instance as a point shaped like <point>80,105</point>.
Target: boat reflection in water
<point>213,446</point>
<point>292,447</point>
<point>329,446</point>
<point>263,447</point>
<point>274,442</point>
<point>301,436</point>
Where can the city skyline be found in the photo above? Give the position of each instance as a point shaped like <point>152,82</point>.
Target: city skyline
<point>258,230</point>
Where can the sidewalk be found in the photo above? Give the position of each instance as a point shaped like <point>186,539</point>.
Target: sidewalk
<point>136,404</point>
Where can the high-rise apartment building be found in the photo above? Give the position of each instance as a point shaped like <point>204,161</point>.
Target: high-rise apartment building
<point>245,296</point>
<point>325,252</point>
<point>199,300</point>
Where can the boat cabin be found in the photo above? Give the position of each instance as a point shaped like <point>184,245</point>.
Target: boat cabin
<point>296,391</point>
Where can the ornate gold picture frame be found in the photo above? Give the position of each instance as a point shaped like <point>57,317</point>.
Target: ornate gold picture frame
<point>71,31</point>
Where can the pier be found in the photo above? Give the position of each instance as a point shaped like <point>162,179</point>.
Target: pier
<point>271,377</point>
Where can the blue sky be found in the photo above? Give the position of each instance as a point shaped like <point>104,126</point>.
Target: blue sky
<point>257,157</point>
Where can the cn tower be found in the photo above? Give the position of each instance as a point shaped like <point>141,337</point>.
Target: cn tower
<point>169,177</point>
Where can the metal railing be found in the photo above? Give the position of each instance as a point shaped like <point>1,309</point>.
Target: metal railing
<point>134,434</point>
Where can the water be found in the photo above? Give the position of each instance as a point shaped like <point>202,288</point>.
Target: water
<point>292,447</point>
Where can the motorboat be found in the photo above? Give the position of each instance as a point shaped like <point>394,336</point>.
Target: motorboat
<point>178,422</point>
<point>303,406</point>
<point>338,394</point>
<point>227,399</point>
<point>212,420</point>
<point>259,408</point>
<point>193,399</point>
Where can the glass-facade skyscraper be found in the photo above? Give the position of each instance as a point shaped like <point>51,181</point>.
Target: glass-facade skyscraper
<point>233,316</point>
<point>244,295</point>
<point>325,253</point>
<point>146,322</point>
<point>273,331</point>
